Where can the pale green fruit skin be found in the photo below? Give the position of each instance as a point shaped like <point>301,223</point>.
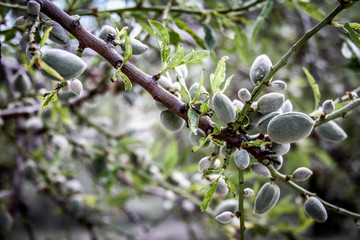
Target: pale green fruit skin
<point>328,106</point>
<point>260,170</point>
<point>159,106</point>
<point>264,121</point>
<point>224,108</point>
<point>183,70</point>
<point>33,8</point>
<point>6,221</point>
<point>301,174</point>
<point>267,198</point>
<point>204,163</point>
<point>58,34</point>
<point>76,86</point>
<point>238,104</point>
<point>280,149</point>
<point>171,121</point>
<point>194,139</point>
<point>281,160</point>
<point>332,132</point>
<point>194,89</point>
<point>242,159</point>
<point>137,47</point>
<point>287,106</point>
<point>225,217</point>
<point>105,31</point>
<point>244,95</point>
<point>68,65</point>
<point>22,83</point>
<point>226,205</point>
<point>270,102</point>
<point>315,209</point>
<point>290,127</point>
<point>165,82</point>
<point>278,85</point>
<point>260,68</point>
<point>20,21</point>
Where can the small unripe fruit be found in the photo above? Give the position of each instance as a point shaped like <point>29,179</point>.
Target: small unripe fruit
<point>20,21</point>
<point>203,93</point>
<point>194,139</point>
<point>224,217</point>
<point>230,205</point>
<point>267,198</point>
<point>6,221</point>
<point>260,68</point>
<point>278,85</point>
<point>68,65</point>
<point>224,108</point>
<point>159,106</point>
<point>165,82</point>
<point>287,106</point>
<point>29,170</point>
<point>254,117</point>
<point>171,121</point>
<point>264,121</point>
<point>137,47</point>
<point>58,34</point>
<point>76,87</point>
<point>270,102</point>
<point>182,69</point>
<point>260,170</point>
<point>222,189</point>
<point>105,31</point>
<point>238,104</point>
<point>244,95</point>
<point>241,159</point>
<point>66,88</point>
<point>330,131</point>
<point>280,149</point>
<point>176,87</point>
<point>290,127</point>
<point>328,106</point>
<point>22,83</point>
<point>301,174</point>
<point>204,163</point>
<point>280,159</point>
<point>248,192</point>
<point>315,209</point>
<point>33,8</point>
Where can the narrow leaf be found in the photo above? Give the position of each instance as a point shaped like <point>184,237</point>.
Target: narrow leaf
<point>219,75</point>
<point>208,195</point>
<point>261,18</point>
<point>193,120</point>
<point>176,60</point>
<point>311,9</point>
<point>128,51</point>
<point>209,37</point>
<point>241,42</point>
<point>175,37</point>
<point>49,70</point>
<point>195,56</point>
<point>184,27</point>
<point>45,36</point>
<point>197,95</point>
<point>353,35</point>
<point>227,83</point>
<point>314,87</point>
<point>48,100</point>
<point>126,80</point>
<point>165,52</point>
<point>160,32</point>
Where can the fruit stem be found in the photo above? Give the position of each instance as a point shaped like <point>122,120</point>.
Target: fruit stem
<point>241,204</point>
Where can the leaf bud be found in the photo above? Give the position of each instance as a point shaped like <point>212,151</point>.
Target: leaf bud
<point>328,106</point>
<point>76,86</point>
<point>137,47</point>
<point>332,132</point>
<point>57,34</point>
<point>270,102</point>
<point>248,192</point>
<point>224,108</point>
<point>290,127</point>
<point>315,209</point>
<point>260,67</point>
<point>20,21</point>
<point>244,95</point>
<point>241,159</point>
<point>260,170</point>
<point>171,121</point>
<point>225,217</point>
<point>278,85</point>
<point>33,7</point>
<point>301,174</point>
<point>266,198</point>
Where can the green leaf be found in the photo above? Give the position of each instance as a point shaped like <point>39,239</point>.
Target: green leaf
<point>219,75</point>
<point>176,60</point>
<point>241,42</point>
<point>227,83</point>
<point>204,108</point>
<point>209,37</point>
<point>160,32</point>
<point>259,22</point>
<point>45,36</point>
<point>49,70</point>
<point>171,157</point>
<point>165,52</point>
<point>184,27</point>
<point>128,51</point>
<point>197,95</point>
<point>175,37</point>
<point>208,195</point>
<point>126,80</point>
<point>193,120</point>
<point>261,18</point>
<point>314,87</point>
<point>230,185</point>
<point>311,9</point>
<point>353,35</point>
<point>195,56</point>
<point>48,99</point>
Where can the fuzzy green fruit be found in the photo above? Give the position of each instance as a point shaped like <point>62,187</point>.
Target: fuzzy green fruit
<point>241,159</point>
<point>267,198</point>
<point>330,131</point>
<point>260,68</point>
<point>328,106</point>
<point>68,65</point>
<point>105,31</point>
<point>278,85</point>
<point>280,159</point>
<point>260,170</point>
<point>20,21</point>
<point>194,139</point>
<point>224,108</point>
<point>270,102</point>
<point>33,8</point>
<point>58,34</point>
<point>301,174</point>
<point>264,121</point>
<point>76,86</point>
<point>244,95</point>
<point>279,149</point>
<point>287,106</point>
<point>22,83</point>
<point>203,93</point>
<point>225,217</point>
<point>226,205</point>
<point>165,82</point>
<point>290,127</point>
<point>315,209</point>
<point>238,104</point>
<point>137,47</point>
<point>171,121</point>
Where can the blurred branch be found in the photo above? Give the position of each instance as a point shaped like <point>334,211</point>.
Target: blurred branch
<point>13,6</point>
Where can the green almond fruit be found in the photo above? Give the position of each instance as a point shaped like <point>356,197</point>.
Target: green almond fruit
<point>29,170</point>
<point>137,47</point>
<point>332,132</point>
<point>194,139</point>
<point>264,121</point>
<point>278,85</point>
<point>58,34</point>
<point>279,149</point>
<point>254,117</point>
<point>260,68</point>
<point>328,106</point>
<point>68,65</point>
<point>171,121</point>
<point>266,198</point>
<point>280,159</point>
<point>260,170</point>
<point>242,159</point>
<point>224,108</point>
<point>287,106</point>
<point>195,88</point>
<point>76,86</point>
<point>270,102</point>
<point>230,205</point>
<point>105,31</point>
<point>315,209</point>
<point>33,8</point>
<point>244,95</point>
<point>225,217</point>
<point>238,104</point>
<point>183,70</point>
<point>20,21</point>
<point>290,127</point>
<point>301,174</point>
<point>165,82</point>
<point>22,83</point>
<point>6,221</point>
